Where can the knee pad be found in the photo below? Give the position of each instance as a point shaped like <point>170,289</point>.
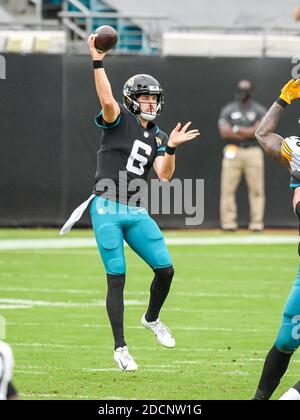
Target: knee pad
<point>288,338</point>
<point>109,239</point>
<point>161,257</point>
<point>115,266</point>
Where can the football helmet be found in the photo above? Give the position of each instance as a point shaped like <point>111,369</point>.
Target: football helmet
<point>142,84</point>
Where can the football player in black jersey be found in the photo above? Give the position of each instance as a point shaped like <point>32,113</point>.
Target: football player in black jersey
<point>131,144</point>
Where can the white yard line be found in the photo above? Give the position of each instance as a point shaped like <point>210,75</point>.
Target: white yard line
<point>61,243</point>
<point>13,244</point>
<point>11,306</point>
<point>139,326</point>
<point>73,397</point>
<point>139,293</point>
<point>24,303</point>
<point>13,303</point>
<point>47,290</point>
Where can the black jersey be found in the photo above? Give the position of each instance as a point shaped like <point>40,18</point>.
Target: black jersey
<point>127,152</point>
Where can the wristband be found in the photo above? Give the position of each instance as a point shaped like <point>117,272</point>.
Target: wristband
<point>170,150</point>
<point>281,102</point>
<point>235,129</point>
<point>98,64</point>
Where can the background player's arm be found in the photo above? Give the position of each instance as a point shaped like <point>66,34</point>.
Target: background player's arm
<point>226,132</point>
<point>270,141</point>
<point>249,132</point>
<point>110,107</point>
<point>164,166</point>
<point>244,133</point>
<point>267,138</point>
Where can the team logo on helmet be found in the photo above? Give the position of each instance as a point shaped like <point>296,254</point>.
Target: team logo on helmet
<point>130,82</point>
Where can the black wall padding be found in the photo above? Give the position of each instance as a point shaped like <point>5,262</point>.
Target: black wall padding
<point>49,140</point>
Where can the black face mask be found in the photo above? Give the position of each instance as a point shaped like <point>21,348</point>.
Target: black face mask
<point>243,95</point>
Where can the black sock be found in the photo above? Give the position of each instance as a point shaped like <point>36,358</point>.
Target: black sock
<point>275,366</point>
<point>159,291</point>
<point>115,307</point>
<point>297,387</point>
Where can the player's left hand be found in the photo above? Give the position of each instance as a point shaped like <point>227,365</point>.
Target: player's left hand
<point>181,135</point>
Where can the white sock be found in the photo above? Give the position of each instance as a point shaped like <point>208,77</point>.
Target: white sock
<point>291,394</point>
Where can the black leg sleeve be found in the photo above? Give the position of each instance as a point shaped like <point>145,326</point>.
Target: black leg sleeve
<point>275,366</point>
<point>115,307</point>
<point>159,291</point>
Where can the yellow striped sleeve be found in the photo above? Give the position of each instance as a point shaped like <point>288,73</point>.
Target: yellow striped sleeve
<point>286,151</point>
<point>287,147</point>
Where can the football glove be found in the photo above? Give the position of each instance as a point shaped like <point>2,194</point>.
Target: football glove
<point>290,91</point>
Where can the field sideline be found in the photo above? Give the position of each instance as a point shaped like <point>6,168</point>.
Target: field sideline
<point>224,310</point>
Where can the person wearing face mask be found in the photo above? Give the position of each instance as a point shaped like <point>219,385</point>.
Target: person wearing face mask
<point>243,156</point>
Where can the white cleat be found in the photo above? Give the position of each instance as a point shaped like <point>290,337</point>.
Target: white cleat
<point>291,394</point>
<point>124,360</point>
<point>162,332</point>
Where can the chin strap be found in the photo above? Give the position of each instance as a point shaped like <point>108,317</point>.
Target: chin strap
<point>147,116</point>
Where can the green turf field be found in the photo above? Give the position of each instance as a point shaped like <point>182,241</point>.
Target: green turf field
<point>224,310</point>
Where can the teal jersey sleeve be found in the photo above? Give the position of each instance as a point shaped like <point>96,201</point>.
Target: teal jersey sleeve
<point>162,141</point>
<point>294,182</point>
<point>101,123</point>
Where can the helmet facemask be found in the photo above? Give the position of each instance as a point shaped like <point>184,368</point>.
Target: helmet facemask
<point>148,115</point>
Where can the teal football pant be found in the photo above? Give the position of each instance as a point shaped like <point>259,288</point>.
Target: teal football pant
<point>288,339</point>
<point>114,222</point>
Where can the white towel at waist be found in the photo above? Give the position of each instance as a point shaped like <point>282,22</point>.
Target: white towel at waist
<point>76,215</point>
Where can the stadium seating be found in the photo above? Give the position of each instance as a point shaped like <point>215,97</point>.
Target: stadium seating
<point>47,42</point>
<point>50,8</point>
<point>131,37</point>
